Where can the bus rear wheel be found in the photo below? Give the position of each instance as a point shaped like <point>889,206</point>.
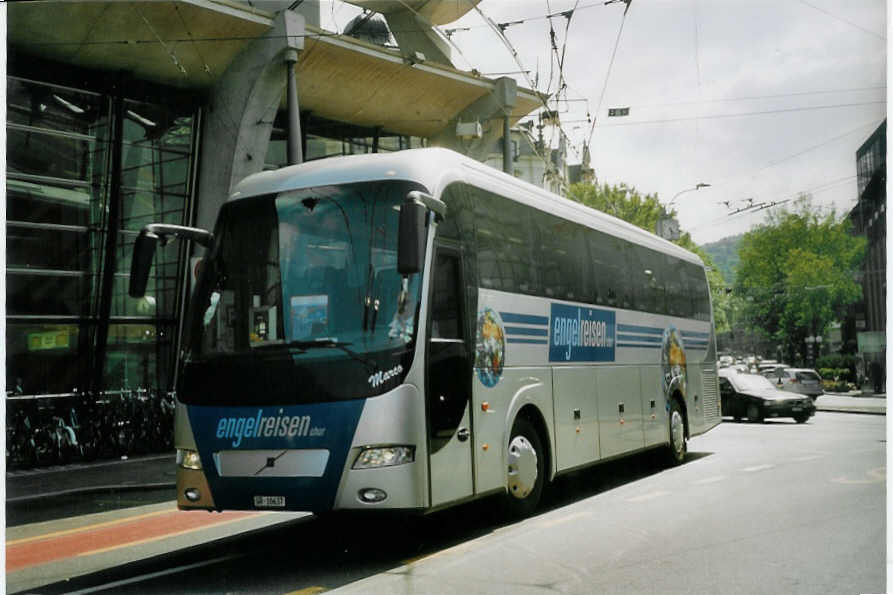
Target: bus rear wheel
<point>678,447</point>
<point>526,470</point>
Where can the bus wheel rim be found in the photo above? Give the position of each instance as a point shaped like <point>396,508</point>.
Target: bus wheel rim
<point>677,432</point>
<point>522,467</point>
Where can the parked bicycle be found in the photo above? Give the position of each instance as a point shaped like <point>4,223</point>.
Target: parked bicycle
<point>59,429</point>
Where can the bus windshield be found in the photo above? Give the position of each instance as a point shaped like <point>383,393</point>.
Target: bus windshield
<point>305,283</point>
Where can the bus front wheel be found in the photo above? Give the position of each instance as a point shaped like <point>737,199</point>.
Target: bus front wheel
<point>526,469</point>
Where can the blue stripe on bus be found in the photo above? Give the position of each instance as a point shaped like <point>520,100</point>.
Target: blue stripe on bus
<point>638,346</point>
<point>529,341</point>
<point>520,330</point>
<point>631,328</point>
<point>637,338</point>
<point>512,317</point>
<point>686,334</point>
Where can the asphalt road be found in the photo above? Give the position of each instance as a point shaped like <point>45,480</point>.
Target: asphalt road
<point>770,508</point>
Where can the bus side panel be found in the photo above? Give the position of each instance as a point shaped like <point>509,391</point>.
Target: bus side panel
<point>654,402</point>
<point>620,410</point>
<point>576,416</point>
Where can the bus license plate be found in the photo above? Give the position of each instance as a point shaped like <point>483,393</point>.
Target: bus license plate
<point>269,501</point>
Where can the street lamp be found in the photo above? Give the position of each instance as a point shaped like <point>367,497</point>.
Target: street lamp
<point>697,186</point>
<point>667,226</point>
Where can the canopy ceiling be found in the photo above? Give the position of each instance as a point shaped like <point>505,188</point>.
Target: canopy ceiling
<point>188,44</point>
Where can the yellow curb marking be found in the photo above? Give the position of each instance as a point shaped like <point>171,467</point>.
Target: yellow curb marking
<point>90,527</point>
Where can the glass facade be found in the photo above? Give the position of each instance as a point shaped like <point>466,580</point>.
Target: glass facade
<point>76,190</point>
<point>324,138</point>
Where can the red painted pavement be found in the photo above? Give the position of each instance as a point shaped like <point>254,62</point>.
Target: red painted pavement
<point>69,544</point>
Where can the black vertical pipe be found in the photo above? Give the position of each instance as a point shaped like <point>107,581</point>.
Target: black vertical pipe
<point>113,222</point>
<point>506,145</point>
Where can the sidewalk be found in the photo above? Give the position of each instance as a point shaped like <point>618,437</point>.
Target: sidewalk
<point>854,402</point>
<point>145,472</point>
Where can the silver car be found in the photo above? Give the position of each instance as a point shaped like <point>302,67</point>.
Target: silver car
<point>797,380</point>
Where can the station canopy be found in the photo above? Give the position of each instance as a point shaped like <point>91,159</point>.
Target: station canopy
<point>188,44</point>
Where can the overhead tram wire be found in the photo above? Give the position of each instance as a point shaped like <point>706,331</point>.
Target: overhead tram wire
<point>759,97</point>
<point>745,114</point>
<point>499,29</point>
<point>843,20</point>
<point>822,186</point>
<point>608,73</point>
<point>523,20</point>
<point>558,58</point>
<point>500,33</point>
<point>771,164</point>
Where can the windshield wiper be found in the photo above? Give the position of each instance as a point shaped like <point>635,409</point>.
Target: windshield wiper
<point>321,343</point>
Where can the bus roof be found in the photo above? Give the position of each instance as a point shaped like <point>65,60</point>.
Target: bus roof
<point>435,168</point>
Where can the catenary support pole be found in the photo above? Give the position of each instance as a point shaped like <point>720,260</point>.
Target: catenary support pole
<point>506,145</point>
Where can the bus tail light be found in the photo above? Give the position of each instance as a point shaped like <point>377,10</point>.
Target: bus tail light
<point>384,456</point>
<point>188,459</point>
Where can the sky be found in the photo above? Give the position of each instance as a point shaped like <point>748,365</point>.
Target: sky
<point>760,99</point>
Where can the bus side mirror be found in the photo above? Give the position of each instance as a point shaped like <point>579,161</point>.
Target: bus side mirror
<point>411,242</point>
<point>143,253</point>
<point>144,250</point>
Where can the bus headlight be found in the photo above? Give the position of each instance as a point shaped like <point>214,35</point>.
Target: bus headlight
<point>188,459</point>
<point>373,457</point>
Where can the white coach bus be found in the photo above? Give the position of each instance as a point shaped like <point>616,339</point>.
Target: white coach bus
<point>413,330</point>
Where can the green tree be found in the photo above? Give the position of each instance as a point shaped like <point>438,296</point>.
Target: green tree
<point>625,202</point>
<point>797,273</point>
<point>621,201</point>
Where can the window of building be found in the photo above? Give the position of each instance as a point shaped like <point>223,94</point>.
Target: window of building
<point>60,148</point>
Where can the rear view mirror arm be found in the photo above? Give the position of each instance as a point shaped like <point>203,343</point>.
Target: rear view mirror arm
<point>165,232</point>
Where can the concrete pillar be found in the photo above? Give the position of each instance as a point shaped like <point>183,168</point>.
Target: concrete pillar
<point>414,33</point>
<point>295,155</point>
<point>492,111</point>
<point>240,113</point>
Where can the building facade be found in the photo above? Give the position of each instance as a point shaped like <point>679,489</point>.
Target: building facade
<point>866,329</point>
<point>124,113</point>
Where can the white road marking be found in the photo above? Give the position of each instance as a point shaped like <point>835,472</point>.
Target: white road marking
<point>756,468</point>
<point>152,575</point>
<point>878,475</point>
<point>646,497</point>
<point>710,480</point>
<point>564,519</point>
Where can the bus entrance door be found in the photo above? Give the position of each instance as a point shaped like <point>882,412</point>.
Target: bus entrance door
<point>448,385</point>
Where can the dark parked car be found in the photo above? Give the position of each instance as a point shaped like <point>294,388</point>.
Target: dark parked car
<point>756,398</point>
